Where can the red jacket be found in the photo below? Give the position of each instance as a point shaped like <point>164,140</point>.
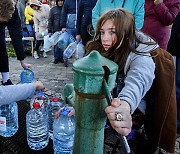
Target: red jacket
<point>158,18</point>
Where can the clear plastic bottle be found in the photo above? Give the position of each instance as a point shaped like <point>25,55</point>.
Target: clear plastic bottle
<point>68,52</point>
<point>63,132</point>
<point>63,40</point>
<point>53,107</point>
<point>80,50</point>
<point>37,127</point>
<point>27,76</point>
<point>8,119</point>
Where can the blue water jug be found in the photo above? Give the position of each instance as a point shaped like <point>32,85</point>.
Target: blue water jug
<point>63,40</point>
<point>63,133</point>
<point>80,50</point>
<point>8,119</point>
<point>37,127</point>
<point>68,52</point>
<point>27,76</point>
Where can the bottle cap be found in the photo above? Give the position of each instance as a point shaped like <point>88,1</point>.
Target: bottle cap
<point>65,111</point>
<point>40,93</point>
<point>36,105</point>
<point>55,99</point>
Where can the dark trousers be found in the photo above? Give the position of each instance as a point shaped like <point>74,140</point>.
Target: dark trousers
<point>38,44</point>
<point>85,35</point>
<point>4,64</point>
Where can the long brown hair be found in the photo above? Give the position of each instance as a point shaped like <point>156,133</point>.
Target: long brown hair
<point>124,29</point>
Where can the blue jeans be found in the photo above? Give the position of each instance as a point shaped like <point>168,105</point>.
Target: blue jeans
<point>30,29</point>
<point>58,53</point>
<point>178,90</point>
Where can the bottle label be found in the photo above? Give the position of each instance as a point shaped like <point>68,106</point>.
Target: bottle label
<point>2,123</point>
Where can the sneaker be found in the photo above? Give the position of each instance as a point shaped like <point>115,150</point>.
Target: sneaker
<point>55,61</point>
<point>66,63</point>
<point>36,55</point>
<point>8,82</point>
<point>44,54</point>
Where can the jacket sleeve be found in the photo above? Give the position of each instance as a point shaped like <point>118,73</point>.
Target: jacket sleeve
<point>36,23</point>
<point>64,15</point>
<point>167,14</point>
<point>50,21</point>
<point>79,18</point>
<point>15,32</point>
<point>138,80</point>
<point>13,93</point>
<point>139,14</point>
<point>96,14</point>
<point>27,15</point>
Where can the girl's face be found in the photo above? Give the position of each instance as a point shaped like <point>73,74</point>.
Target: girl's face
<point>108,35</point>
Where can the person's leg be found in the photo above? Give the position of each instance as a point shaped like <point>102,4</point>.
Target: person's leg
<point>4,63</point>
<point>178,91</point>
<point>36,52</point>
<point>56,54</point>
<point>85,35</point>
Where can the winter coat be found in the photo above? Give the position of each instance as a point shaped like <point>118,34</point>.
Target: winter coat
<point>136,7</point>
<point>174,41</point>
<point>158,18</point>
<point>69,14</point>
<point>41,18</point>
<point>54,19</point>
<point>29,14</point>
<point>84,16</point>
<point>14,27</point>
<point>13,93</point>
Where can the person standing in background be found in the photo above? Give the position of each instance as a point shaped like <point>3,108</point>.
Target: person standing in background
<point>136,7</point>
<point>54,26</point>
<point>159,14</point>
<point>174,48</point>
<point>84,20</point>
<point>29,19</point>
<point>41,15</point>
<point>9,18</point>
<point>69,16</point>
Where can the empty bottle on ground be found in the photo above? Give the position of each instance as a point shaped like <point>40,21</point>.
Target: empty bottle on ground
<point>53,107</point>
<point>27,76</point>
<point>63,133</point>
<point>8,119</point>
<point>37,127</point>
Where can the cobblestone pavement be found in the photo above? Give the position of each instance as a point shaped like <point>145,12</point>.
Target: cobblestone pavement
<point>53,76</point>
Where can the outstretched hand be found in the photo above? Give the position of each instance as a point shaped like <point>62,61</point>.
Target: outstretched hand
<point>119,116</point>
<point>25,65</point>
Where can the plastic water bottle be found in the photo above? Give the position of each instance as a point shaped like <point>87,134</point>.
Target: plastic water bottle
<point>41,98</point>
<point>27,76</point>
<point>54,106</point>
<point>63,40</point>
<point>63,131</point>
<point>68,52</point>
<point>8,119</point>
<point>80,50</point>
<point>37,127</point>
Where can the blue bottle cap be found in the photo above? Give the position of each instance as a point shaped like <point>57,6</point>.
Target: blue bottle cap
<point>65,111</point>
<point>40,93</point>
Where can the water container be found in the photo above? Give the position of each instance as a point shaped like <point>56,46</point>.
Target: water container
<point>41,98</point>
<point>80,50</point>
<point>27,76</point>
<point>37,127</point>
<point>63,40</point>
<point>54,106</point>
<point>68,52</point>
<point>63,132</point>
<point>8,119</point>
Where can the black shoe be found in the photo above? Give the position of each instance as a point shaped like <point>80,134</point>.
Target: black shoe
<point>61,60</point>
<point>66,63</point>
<point>8,82</point>
<point>55,61</point>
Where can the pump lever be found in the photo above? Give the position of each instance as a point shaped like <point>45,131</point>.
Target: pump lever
<point>107,93</point>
